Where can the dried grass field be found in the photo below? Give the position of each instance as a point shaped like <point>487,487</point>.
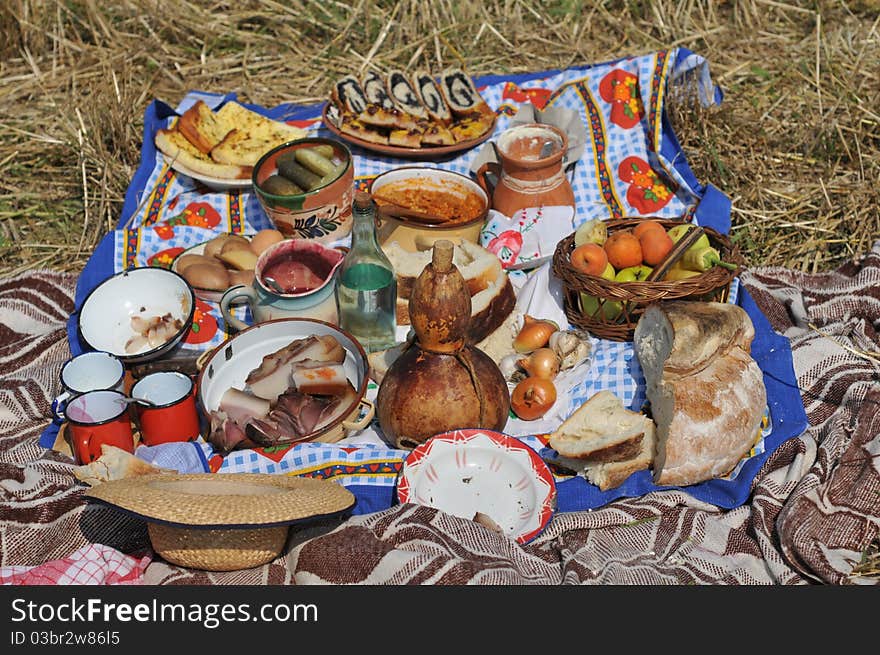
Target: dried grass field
<point>795,144</point>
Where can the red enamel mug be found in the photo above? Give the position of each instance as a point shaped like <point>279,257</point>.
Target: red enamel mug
<point>96,418</point>
<point>166,407</point>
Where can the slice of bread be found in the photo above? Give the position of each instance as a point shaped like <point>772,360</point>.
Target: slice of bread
<point>178,148</point>
<point>404,95</point>
<point>375,90</point>
<point>460,93</point>
<point>202,127</point>
<point>600,430</point>
<point>114,464</point>
<point>430,96</point>
<point>607,475</point>
<point>251,135</point>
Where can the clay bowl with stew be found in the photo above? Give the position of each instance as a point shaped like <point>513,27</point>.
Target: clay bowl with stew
<point>418,205</point>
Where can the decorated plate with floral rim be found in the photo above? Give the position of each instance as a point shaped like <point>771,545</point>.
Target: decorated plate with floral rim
<point>484,476</point>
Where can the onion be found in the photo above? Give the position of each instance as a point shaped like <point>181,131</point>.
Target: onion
<point>535,333</point>
<point>542,363</point>
<point>532,398</point>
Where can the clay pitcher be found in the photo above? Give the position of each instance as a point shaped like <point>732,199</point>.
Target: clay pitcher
<point>530,173</point>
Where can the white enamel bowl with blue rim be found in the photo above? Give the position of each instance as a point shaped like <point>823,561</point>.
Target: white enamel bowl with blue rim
<point>104,320</point>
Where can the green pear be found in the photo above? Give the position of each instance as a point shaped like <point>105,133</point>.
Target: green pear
<point>609,272</point>
<point>633,273</point>
<point>590,307</point>
<point>677,232</point>
<point>593,231</point>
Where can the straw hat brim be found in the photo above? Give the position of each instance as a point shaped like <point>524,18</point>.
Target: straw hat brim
<point>223,500</point>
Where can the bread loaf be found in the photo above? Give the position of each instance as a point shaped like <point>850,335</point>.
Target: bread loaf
<point>604,441</point>
<point>492,295</point>
<point>706,392</point>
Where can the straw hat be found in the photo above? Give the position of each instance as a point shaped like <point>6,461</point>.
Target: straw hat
<point>221,522</point>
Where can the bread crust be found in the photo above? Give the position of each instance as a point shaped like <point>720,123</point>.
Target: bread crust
<point>707,393</point>
<point>173,144</point>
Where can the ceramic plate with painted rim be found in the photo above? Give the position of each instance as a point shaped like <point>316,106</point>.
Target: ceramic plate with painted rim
<point>474,471</point>
<point>214,183</point>
<point>424,152</point>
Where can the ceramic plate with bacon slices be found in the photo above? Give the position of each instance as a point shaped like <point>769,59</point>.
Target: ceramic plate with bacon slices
<point>481,475</point>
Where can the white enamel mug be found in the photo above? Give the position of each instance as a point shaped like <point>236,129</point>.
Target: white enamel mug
<point>90,371</point>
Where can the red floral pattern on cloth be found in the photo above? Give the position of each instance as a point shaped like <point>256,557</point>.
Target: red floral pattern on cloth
<point>197,214</point>
<point>204,325</point>
<point>647,191</point>
<point>538,97</point>
<point>506,246</point>
<point>164,258</point>
<point>621,89</point>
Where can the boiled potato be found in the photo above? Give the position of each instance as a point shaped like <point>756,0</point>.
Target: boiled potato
<point>213,247</point>
<point>240,258</point>
<point>241,277</point>
<point>185,261</point>
<point>207,276</point>
<point>265,238</point>
<point>235,244</point>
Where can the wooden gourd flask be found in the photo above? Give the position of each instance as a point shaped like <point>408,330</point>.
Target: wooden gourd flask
<point>440,382</point>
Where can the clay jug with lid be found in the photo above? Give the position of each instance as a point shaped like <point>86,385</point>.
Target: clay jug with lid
<point>439,383</point>
<point>530,172</point>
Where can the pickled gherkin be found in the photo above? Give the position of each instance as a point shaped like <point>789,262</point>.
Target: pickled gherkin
<point>278,185</point>
<point>296,173</point>
<point>315,162</point>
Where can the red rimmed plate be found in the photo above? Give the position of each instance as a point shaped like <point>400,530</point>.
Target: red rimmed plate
<point>473,471</point>
<point>426,152</point>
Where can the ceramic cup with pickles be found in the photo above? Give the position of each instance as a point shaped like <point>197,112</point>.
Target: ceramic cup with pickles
<point>294,278</point>
<point>306,187</point>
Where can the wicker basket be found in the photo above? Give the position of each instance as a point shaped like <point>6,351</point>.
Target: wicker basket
<point>618,322</point>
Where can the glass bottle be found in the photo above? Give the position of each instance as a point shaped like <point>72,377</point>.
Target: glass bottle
<point>366,289</point>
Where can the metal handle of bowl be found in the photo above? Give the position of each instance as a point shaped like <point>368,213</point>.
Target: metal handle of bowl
<point>202,359</point>
<point>363,421</point>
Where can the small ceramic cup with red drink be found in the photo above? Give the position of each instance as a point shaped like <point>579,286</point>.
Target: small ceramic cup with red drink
<point>166,408</point>
<point>96,418</point>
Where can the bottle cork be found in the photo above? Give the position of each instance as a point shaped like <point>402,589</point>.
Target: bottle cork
<point>441,258</point>
<point>362,199</point>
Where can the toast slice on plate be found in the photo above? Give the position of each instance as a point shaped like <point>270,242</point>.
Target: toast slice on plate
<point>202,127</point>
<point>173,144</point>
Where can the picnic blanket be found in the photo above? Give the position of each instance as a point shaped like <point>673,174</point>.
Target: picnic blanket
<point>630,165</point>
<point>814,508</point>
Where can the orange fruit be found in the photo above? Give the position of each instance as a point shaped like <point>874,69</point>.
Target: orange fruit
<point>623,249</point>
<point>589,258</point>
<point>656,244</point>
<point>646,225</point>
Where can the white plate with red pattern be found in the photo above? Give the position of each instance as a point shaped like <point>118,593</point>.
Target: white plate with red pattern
<point>481,475</point>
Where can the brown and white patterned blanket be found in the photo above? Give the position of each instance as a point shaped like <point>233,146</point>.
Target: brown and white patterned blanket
<point>813,514</point>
